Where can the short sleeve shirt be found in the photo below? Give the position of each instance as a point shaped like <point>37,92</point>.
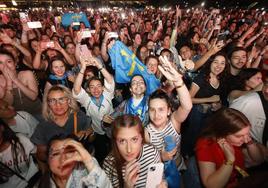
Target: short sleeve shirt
<point>207,150</point>
<point>47,129</point>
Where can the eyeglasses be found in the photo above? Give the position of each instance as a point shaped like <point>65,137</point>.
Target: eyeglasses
<point>61,100</point>
<point>56,153</point>
<point>137,83</point>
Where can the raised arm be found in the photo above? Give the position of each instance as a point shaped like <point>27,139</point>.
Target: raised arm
<point>213,50</point>
<point>27,55</point>
<point>173,75</point>
<point>69,60</point>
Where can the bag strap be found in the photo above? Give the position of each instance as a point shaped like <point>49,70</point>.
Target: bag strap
<point>265,108</point>
<point>75,123</point>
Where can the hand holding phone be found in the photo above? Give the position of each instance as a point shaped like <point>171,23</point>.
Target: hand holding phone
<point>154,175</point>
<point>131,173</point>
<point>45,45</point>
<point>112,35</point>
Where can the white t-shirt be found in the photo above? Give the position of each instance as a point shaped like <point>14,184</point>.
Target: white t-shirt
<point>25,124</point>
<point>251,105</point>
<point>26,171</point>
<point>96,113</point>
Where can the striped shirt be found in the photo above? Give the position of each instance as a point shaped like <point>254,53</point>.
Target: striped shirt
<point>157,137</point>
<point>149,155</point>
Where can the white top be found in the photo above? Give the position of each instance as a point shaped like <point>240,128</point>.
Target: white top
<point>25,124</point>
<point>93,110</point>
<point>26,172</point>
<point>251,105</point>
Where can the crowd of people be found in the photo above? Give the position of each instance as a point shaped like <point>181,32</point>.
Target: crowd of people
<point>67,121</point>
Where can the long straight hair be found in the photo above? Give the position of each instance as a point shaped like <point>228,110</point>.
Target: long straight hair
<point>124,121</point>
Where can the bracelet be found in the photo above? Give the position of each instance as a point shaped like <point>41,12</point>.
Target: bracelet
<point>81,72</point>
<point>179,86</point>
<point>229,163</point>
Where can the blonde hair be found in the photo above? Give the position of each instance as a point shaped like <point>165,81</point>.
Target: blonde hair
<point>46,111</point>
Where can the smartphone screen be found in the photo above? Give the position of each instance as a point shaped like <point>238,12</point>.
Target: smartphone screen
<point>45,45</point>
<point>34,25</point>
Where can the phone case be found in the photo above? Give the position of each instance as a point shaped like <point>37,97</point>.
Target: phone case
<point>154,175</point>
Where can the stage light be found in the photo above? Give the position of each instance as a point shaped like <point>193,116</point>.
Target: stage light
<point>3,6</point>
<point>202,4</point>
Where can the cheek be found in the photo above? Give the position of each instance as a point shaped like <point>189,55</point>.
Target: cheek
<point>122,149</point>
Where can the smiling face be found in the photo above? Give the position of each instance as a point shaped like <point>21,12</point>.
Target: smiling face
<point>57,155</point>
<point>238,59</point>
<point>218,64</point>
<point>95,88</point>
<point>238,138</point>
<point>137,86</point>
<point>152,65</point>
<point>129,142</point>
<point>159,112</point>
<point>185,53</point>
<point>58,68</point>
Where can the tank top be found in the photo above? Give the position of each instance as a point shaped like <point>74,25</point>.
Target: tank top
<point>23,103</point>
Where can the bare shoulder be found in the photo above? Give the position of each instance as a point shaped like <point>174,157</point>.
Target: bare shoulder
<point>25,75</point>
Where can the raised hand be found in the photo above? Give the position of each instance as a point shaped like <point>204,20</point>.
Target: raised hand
<point>80,154</point>
<point>178,11</point>
<point>5,38</point>
<point>168,155</point>
<point>168,70</point>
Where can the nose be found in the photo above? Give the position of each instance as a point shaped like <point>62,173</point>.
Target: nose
<point>62,157</point>
<point>129,149</point>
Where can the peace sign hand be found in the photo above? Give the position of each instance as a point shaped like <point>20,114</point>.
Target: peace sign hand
<point>168,70</point>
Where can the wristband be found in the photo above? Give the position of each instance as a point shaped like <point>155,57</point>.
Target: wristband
<point>81,72</point>
<point>100,68</point>
<point>179,86</point>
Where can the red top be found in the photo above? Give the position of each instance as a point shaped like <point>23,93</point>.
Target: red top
<point>209,150</point>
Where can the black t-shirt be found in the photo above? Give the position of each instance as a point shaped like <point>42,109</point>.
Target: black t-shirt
<point>47,129</point>
<point>205,88</point>
<point>230,83</point>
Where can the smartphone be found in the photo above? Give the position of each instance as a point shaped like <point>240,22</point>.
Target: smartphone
<point>86,33</point>
<point>84,52</point>
<point>34,25</point>
<point>76,23</point>
<point>46,45</point>
<point>113,35</point>
<point>154,175</point>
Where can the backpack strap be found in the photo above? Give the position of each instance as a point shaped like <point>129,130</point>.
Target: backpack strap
<point>75,123</point>
<point>265,108</point>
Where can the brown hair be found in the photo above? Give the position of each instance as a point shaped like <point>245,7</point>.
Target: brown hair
<point>225,122</point>
<point>124,121</point>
